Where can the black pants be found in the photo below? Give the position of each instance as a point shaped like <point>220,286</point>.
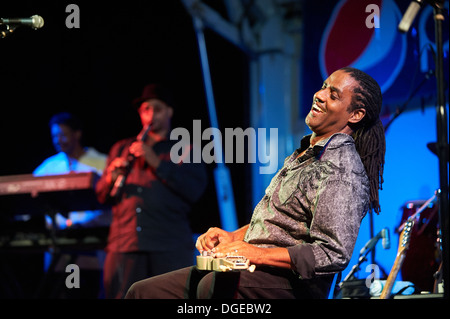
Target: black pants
<point>121,270</point>
<point>264,283</point>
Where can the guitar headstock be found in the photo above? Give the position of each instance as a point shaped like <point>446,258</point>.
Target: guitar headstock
<point>402,247</point>
<point>405,236</point>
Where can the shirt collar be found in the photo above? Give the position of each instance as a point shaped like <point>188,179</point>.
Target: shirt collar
<point>333,141</point>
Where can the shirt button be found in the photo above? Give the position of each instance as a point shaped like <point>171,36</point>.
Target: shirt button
<point>139,228</point>
<point>138,210</point>
<point>139,189</point>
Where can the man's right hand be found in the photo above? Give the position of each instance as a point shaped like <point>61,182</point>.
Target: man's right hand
<point>212,238</point>
<point>115,168</point>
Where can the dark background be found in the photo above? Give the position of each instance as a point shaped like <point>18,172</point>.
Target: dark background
<point>97,70</point>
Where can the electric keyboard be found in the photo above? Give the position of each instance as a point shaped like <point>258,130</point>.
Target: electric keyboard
<point>27,194</point>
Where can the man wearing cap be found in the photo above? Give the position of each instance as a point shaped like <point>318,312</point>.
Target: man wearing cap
<point>150,232</point>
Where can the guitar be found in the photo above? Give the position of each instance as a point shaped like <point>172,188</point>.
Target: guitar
<point>228,263</point>
<point>401,253</point>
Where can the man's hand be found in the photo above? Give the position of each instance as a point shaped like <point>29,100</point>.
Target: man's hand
<point>140,148</point>
<point>222,243</point>
<point>115,168</point>
<point>240,248</point>
<point>213,237</point>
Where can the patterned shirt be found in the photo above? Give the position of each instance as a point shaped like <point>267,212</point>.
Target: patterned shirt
<point>314,206</point>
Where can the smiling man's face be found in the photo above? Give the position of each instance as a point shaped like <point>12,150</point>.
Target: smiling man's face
<point>330,112</point>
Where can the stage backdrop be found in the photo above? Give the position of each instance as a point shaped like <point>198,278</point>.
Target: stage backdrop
<point>342,33</point>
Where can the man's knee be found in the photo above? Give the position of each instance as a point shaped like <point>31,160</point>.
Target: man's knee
<point>135,291</point>
<point>205,287</point>
<point>218,285</point>
<point>166,286</point>
<point>150,288</point>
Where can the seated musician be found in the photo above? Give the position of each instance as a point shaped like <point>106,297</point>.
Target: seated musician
<point>73,157</point>
<point>304,229</point>
<point>66,132</point>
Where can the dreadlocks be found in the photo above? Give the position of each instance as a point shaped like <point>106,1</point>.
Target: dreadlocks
<point>369,132</point>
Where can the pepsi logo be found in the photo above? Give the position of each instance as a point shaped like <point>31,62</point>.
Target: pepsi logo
<point>348,41</point>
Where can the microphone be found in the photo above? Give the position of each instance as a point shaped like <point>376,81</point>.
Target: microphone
<point>384,235</point>
<point>409,15</point>
<point>385,241</point>
<point>36,22</point>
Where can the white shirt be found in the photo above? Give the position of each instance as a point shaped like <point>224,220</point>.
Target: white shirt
<point>91,161</point>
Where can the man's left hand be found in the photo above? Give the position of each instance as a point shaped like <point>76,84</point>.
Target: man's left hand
<point>239,248</point>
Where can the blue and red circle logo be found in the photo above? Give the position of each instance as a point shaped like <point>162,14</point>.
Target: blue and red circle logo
<point>349,41</point>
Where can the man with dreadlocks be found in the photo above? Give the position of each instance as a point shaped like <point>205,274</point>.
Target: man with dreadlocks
<point>304,229</point>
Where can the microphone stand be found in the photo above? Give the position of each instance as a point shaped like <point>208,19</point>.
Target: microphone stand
<point>356,267</point>
<point>403,107</point>
<point>442,140</point>
<point>368,247</point>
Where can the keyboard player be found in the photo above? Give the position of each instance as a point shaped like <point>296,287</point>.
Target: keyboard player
<point>72,156</point>
<point>66,133</point>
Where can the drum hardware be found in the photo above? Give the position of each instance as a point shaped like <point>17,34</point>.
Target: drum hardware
<point>422,260</point>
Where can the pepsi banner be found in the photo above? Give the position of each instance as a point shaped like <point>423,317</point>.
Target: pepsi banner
<point>364,34</point>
